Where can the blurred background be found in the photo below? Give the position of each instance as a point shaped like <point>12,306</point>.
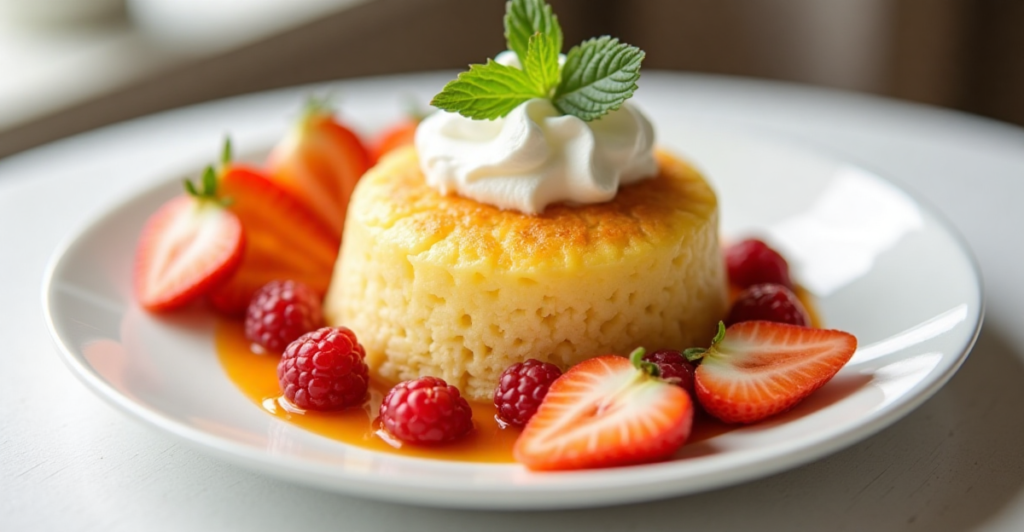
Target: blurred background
<point>67,66</point>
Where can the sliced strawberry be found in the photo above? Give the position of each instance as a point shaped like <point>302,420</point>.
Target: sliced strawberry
<point>606,411</point>
<point>187,248</point>
<point>320,161</point>
<point>394,137</point>
<point>285,240</point>
<point>757,369</point>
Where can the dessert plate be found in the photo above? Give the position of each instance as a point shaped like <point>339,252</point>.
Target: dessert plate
<point>879,264</point>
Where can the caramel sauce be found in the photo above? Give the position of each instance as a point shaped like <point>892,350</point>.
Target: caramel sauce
<point>807,299</point>
<point>255,374</point>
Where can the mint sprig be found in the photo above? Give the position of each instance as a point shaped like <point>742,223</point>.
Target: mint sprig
<point>598,75</point>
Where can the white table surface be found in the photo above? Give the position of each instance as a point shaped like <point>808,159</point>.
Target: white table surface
<point>68,461</point>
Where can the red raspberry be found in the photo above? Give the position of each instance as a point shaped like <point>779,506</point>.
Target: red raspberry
<point>280,312</point>
<point>521,388</point>
<point>752,262</point>
<point>768,302</point>
<point>426,410</point>
<point>324,370</point>
<point>673,367</point>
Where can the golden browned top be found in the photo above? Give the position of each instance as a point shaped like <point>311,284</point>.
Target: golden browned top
<point>393,201</point>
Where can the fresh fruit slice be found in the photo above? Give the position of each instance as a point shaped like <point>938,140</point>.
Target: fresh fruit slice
<point>752,262</point>
<point>320,161</point>
<point>285,240</point>
<point>189,246</point>
<point>757,369</point>
<point>394,137</point>
<point>606,411</point>
<point>768,302</point>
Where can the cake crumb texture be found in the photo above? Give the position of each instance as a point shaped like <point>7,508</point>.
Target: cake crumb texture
<point>446,286</point>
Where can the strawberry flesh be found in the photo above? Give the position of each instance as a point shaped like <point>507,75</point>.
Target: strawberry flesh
<point>286,241</point>
<point>605,412</point>
<point>187,248</point>
<point>762,368</point>
<point>320,161</point>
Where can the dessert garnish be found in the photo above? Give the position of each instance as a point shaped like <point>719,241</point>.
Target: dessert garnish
<point>606,411</point>
<point>757,369</point>
<point>598,75</point>
<point>426,410</point>
<point>190,245</point>
<point>751,262</point>
<point>285,239</point>
<point>319,161</point>
<point>768,302</point>
<point>526,130</point>
<point>521,388</point>
<point>280,312</point>
<point>324,370</point>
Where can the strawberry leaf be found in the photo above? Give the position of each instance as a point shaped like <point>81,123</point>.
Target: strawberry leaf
<point>207,188</point>
<point>525,18</point>
<point>598,76</point>
<point>720,335</point>
<point>487,91</point>
<point>693,354</point>
<point>209,182</point>
<point>191,189</point>
<point>637,359</point>
<point>226,152</point>
<point>318,105</point>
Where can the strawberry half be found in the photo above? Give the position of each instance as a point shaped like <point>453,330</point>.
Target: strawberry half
<point>188,247</point>
<point>757,369</point>
<point>320,161</point>
<point>285,240</point>
<point>606,411</point>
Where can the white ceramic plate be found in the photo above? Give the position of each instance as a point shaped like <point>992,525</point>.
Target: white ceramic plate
<point>881,266</point>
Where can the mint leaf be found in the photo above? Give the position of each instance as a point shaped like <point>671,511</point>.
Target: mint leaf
<point>598,76</point>
<point>487,91</point>
<point>523,19</point>
<point>541,63</point>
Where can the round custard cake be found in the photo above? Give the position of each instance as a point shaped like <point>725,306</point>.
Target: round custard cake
<point>450,287</point>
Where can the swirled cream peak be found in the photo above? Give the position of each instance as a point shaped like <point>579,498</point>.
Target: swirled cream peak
<point>535,156</point>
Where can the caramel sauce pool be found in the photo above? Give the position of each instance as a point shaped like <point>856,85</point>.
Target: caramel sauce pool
<point>255,375</point>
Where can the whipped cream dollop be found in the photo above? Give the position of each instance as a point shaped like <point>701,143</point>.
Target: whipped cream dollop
<point>535,156</point>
